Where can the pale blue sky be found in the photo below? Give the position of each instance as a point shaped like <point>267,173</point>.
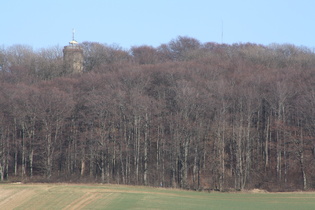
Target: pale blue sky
<point>46,23</point>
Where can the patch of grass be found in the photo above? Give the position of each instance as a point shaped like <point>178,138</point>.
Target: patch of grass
<point>65,196</point>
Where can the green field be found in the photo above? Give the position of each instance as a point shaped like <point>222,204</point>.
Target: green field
<point>79,196</point>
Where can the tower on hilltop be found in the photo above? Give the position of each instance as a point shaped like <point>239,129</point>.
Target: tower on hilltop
<point>73,57</point>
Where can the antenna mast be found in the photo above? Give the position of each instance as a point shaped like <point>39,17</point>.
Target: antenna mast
<point>73,42</point>
<point>73,31</point>
<point>221,31</point>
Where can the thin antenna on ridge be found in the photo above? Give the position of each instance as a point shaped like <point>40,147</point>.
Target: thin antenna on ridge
<point>221,31</point>
<point>73,31</point>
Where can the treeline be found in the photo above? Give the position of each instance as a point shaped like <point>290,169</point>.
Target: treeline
<point>185,114</point>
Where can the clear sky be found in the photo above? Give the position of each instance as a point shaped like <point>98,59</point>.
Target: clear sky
<point>47,23</point>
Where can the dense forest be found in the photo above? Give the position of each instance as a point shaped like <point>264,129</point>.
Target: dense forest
<point>184,114</point>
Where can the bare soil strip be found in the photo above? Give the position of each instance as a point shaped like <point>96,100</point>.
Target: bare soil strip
<point>91,197</point>
<point>109,198</point>
<point>83,201</point>
<point>4,193</point>
<point>15,199</point>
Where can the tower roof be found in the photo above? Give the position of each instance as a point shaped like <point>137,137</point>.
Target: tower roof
<point>73,42</point>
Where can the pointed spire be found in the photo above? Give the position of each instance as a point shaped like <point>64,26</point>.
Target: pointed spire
<point>73,42</point>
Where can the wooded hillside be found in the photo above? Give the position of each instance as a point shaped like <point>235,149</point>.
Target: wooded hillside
<point>185,114</point>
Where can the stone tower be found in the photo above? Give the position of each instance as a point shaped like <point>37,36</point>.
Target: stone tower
<point>73,57</point>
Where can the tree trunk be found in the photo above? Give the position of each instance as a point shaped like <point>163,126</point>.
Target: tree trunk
<point>184,179</point>
<point>23,172</point>
<point>82,166</point>
<point>303,170</point>
<point>1,172</point>
<point>267,145</point>
<point>49,156</point>
<point>31,157</point>
<point>91,162</point>
<point>102,167</point>
<point>302,165</point>
<point>2,159</point>
<point>146,134</point>
<point>122,166</point>
<point>15,149</point>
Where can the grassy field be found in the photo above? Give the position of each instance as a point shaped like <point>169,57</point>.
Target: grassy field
<point>77,196</point>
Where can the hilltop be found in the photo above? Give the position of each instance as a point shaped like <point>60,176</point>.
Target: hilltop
<point>185,114</point>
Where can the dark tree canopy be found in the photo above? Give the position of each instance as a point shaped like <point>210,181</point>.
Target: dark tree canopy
<point>184,114</point>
